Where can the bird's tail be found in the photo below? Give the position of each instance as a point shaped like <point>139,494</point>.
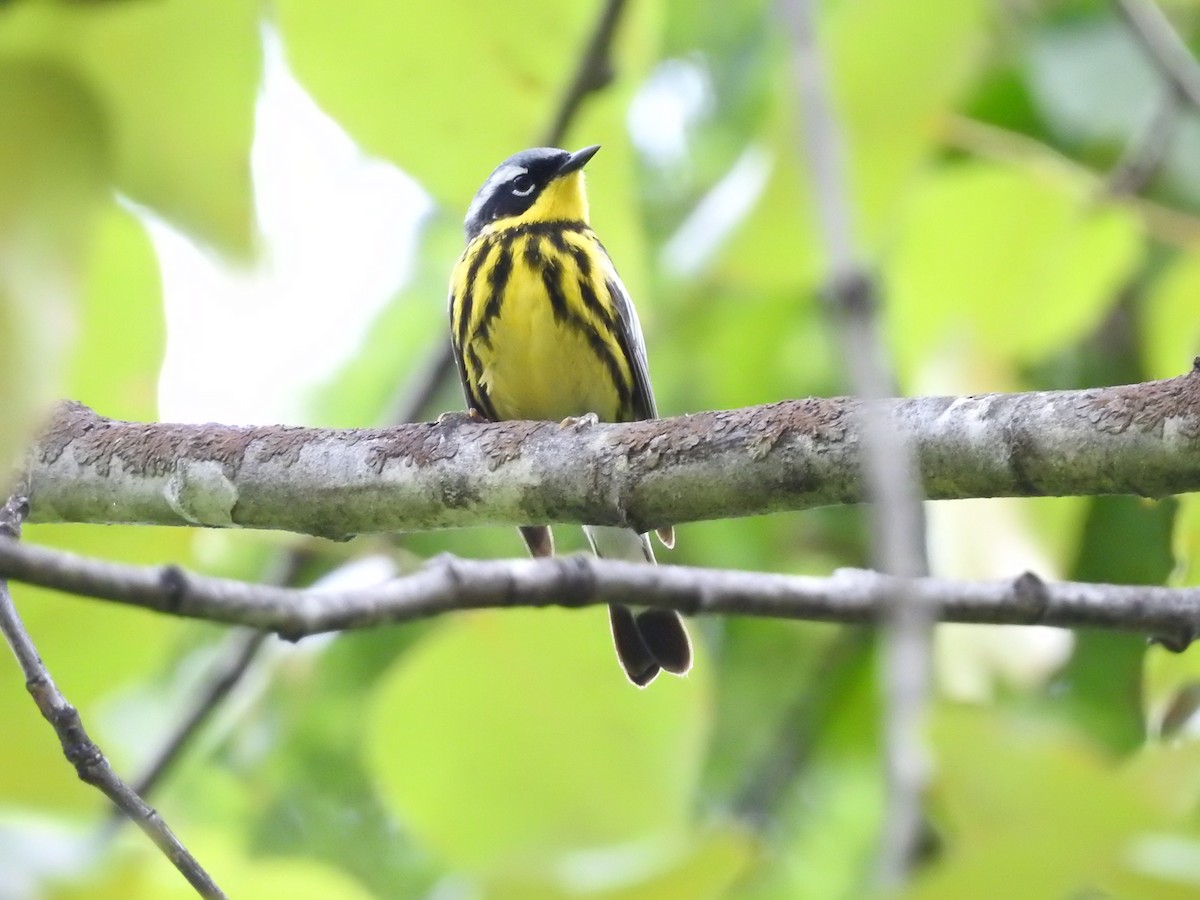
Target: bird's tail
<point>647,640</point>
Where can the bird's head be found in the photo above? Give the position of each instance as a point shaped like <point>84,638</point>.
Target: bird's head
<point>539,185</point>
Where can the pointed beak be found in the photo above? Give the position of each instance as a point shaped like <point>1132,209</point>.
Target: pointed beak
<point>577,160</point>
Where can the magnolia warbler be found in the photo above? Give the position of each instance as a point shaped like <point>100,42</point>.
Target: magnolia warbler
<point>543,328</point>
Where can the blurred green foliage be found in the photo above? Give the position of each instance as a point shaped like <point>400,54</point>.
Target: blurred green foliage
<point>500,754</point>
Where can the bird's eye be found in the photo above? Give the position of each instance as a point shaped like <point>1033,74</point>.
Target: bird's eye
<point>522,186</point>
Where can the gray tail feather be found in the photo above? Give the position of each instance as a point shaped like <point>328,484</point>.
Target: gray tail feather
<point>665,636</point>
<point>647,640</point>
<point>610,542</point>
<point>667,536</point>
<point>635,657</point>
<point>650,641</point>
<point>539,539</point>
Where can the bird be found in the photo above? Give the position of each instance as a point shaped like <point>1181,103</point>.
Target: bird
<point>542,328</point>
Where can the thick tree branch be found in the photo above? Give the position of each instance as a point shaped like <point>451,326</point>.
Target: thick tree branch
<point>447,584</point>
<point>1135,439</point>
<point>80,750</point>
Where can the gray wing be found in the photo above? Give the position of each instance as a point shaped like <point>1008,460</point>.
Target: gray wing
<point>629,333</point>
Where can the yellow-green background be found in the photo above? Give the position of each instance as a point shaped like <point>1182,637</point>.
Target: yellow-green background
<point>500,754</point>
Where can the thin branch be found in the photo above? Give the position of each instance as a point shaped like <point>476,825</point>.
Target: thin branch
<point>447,584</point>
<point>890,469</point>
<point>1163,223</point>
<point>765,786</point>
<point>245,648</point>
<point>79,749</point>
<point>1136,439</point>
<point>593,73</point>
<point>1166,49</point>
<point>1147,148</point>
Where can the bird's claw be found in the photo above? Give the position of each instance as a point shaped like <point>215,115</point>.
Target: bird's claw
<point>587,420</point>
<point>456,417</point>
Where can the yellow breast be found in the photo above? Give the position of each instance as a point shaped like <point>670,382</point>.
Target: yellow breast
<point>540,339</point>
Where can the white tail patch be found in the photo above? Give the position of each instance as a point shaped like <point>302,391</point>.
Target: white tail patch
<point>619,543</point>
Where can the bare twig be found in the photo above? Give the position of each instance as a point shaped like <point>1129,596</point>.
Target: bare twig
<point>1147,149</point>
<point>890,468</point>
<point>88,760</point>
<point>447,584</point>
<point>1171,226</point>
<point>1165,48</point>
<point>243,651</point>
<point>245,648</point>
<point>765,788</point>
<point>593,73</point>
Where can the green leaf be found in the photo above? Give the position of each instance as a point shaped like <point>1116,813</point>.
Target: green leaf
<point>1018,263</point>
<point>1090,81</point>
<point>52,175</point>
<point>115,366</point>
<point>177,81</point>
<point>1096,87</point>
<point>142,873</point>
<point>94,650</point>
<point>1168,775</point>
<point>1170,326</point>
<point>835,806</point>
<point>706,866</point>
<point>782,685</point>
<point>507,738</point>
<point>1031,807</point>
<point>1126,540</point>
<point>310,720</point>
<point>445,91</point>
<point>1187,539</point>
<point>895,70</point>
<point>827,810</point>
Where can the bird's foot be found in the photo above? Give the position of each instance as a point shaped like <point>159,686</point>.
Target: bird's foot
<point>578,423</point>
<point>455,417</point>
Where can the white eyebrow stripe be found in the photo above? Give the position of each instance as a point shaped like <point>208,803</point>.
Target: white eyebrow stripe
<point>506,172</point>
<point>499,177</point>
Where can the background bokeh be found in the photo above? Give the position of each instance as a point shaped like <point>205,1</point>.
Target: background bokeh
<point>247,211</point>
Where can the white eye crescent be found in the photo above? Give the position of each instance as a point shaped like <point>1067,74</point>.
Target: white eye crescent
<point>522,186</point>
